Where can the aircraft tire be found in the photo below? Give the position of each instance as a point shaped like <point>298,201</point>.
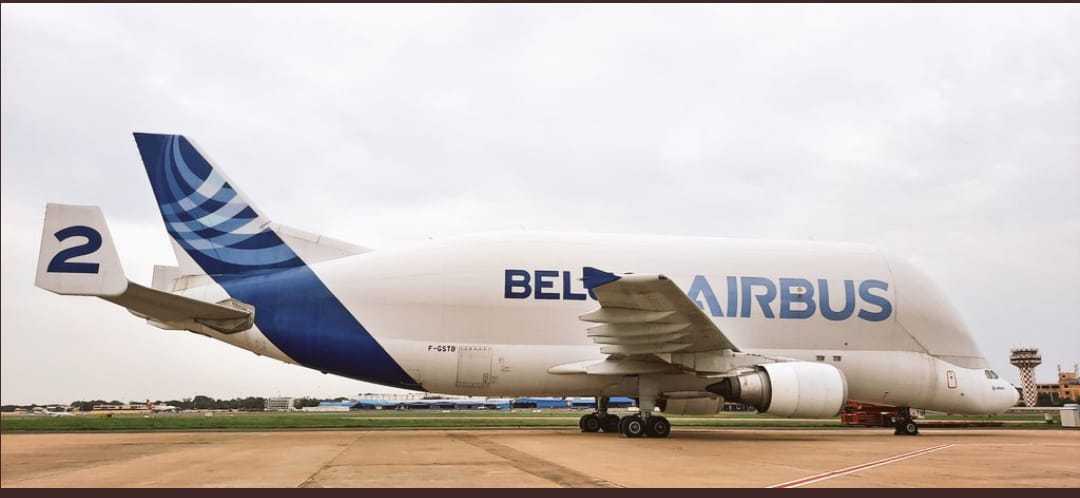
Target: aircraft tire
<point>657,426</point>
<point>610,423</point>
<point>906,428</point>
<point>589,423</point>
<point>632,426</point>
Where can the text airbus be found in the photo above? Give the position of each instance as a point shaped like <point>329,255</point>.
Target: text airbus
<point>799,298</point>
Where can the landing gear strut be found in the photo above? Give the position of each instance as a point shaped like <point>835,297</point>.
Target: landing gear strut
<point>644,423</point>
<point>905,425</point>
<point>600,420</point>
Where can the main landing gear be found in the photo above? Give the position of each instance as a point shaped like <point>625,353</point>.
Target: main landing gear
<point>631,426</point>
<point>643,423</point>
<point>905,425</point>
<point>601,420</point>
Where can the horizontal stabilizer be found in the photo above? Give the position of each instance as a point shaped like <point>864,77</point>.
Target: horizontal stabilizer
<point>228,316</point>
<point>78,257</point>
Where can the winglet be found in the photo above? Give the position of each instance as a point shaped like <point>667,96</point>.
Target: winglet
<point>595,278</point>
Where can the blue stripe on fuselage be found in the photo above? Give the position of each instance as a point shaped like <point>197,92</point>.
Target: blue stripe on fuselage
<point>299,314</point>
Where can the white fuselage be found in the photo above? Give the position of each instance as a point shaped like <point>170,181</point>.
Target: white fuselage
<point>491,314</point>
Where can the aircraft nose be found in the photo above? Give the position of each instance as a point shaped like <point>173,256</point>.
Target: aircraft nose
<point>1010,397</point>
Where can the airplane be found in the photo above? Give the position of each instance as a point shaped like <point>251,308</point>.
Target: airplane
<point>792,328</point>
<point>46,412</point>
<point>161,408</point>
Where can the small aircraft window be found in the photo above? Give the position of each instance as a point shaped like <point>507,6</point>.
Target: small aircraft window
<point>835,358</point>
<point>990,374</point>
<point>820,357</point>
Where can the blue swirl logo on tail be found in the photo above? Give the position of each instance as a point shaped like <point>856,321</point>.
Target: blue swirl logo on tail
<point>205,215</point>
<point>230,240</point>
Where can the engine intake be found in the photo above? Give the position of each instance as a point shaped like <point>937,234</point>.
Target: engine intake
<point>788,389</point>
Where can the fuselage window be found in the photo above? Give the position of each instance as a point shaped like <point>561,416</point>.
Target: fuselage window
<point>990,374</point>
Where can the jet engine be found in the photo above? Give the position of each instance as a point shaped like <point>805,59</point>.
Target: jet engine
<point>788,389</point>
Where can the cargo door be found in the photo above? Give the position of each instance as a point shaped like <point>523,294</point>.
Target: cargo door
<point>474,366</point>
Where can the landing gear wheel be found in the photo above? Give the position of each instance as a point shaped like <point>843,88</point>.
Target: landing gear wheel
<point>609,423</point>
<point>657,426</point>
<point>908,428</point>
<point>632,426</point>
<point>589,423</point>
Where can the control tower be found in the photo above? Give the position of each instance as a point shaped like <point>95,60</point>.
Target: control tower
<point>1026,359</point>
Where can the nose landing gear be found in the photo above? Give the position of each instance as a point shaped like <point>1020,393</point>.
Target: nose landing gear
<point>905,425</point>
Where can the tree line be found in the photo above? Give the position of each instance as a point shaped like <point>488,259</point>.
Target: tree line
<point>199,402</point>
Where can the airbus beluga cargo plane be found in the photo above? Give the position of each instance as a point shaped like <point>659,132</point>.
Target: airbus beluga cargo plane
<point>794,329</point>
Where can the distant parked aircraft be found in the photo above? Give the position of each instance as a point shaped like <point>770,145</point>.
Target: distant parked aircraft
<point>161,408</point>
<point>45,412</point>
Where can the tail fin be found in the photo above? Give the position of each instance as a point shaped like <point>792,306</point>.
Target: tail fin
<point>215,224</point>
<point>77,255</point>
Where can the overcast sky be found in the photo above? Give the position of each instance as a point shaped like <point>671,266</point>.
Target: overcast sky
<point>947,134</point>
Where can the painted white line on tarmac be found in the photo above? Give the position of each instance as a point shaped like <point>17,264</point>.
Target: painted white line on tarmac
<point>858,468</point>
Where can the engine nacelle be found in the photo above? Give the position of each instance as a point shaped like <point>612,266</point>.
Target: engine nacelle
<point>788,389</point>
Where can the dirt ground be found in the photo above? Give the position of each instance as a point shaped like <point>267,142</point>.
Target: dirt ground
<point>543,458</point>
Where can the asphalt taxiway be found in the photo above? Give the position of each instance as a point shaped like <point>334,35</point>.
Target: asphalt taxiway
<point>544,458</point>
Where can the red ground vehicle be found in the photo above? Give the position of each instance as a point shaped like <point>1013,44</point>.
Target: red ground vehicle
<point>869,415</point>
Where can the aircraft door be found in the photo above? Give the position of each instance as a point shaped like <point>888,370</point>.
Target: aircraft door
<point>474,366</point>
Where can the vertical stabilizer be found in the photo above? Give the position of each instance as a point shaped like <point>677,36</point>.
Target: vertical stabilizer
<point>216,228</point>
<point>204,213</point>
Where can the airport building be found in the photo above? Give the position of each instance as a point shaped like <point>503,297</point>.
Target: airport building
<point>279,404</point>
<point>1067,388</point>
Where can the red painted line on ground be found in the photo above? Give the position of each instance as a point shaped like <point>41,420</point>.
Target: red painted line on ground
<point>856,468</point>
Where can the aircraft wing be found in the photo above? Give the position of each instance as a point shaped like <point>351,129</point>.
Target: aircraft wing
<point>648,315</point>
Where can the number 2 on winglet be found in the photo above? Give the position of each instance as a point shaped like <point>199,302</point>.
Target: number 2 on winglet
<point>60,263</point>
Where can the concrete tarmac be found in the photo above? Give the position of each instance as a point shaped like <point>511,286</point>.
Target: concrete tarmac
<point>544,458</point>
